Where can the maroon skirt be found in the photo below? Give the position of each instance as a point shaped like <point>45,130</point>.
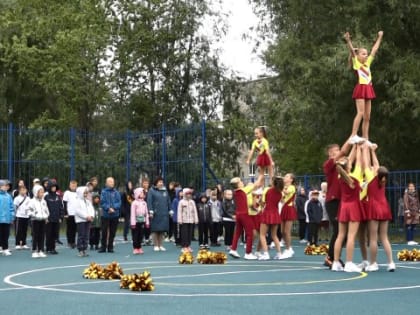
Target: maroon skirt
<point>379,212</point>
<point>270,217</point>
<point>288,213</point>
<point>363,91</point>
<point>263,160</point>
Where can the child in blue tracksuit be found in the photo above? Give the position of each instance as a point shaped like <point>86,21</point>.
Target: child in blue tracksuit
<point>7,216</point>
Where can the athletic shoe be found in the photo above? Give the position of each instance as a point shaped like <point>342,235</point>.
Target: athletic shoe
<point>372,267</point>
<point>25,247</point>
<point>328,262</point>
<point>277,257</point>
<point>52,252</point>
<point>156,248</point>
<point>59,242</point>
<point>250,256</point>
<point>172,239</point>
<point>135,251</point>
<point>234,254</point>
<point>412,243</point>
<point>162,249</point>
<point>391,267</point>
<point>351,267</point>
<point>282,243</point>
<point>264,256</point>
<point>35,255</point>
<point>220,239</point>
<point>336,266</point>
<point>227,248</point>
<point>303,241</point>
<point>356,139</point>
<point>166,240</point>
<point>42,254</point>
<point>7,252</point>
<point>287,253</point>
<point>258,254</point>
<point>363,265</point>
<point>140,251</point>
<point>18,247</point>
<point>272,245</point>
<point>202,246</point>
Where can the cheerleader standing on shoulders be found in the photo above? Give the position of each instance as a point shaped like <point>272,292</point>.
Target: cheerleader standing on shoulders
<point>350,212</point>
<point>379,212</point>
<point>270,217</point>
<point>264,159</point>
<point>288,214</point>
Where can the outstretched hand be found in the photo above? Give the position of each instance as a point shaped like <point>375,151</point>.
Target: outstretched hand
<point>347,36</point>
<point>381,33</point>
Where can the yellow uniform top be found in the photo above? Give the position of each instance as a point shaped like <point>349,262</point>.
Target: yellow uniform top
<point>260,145</point>
<point>288,193</point>
<point>363,70</point>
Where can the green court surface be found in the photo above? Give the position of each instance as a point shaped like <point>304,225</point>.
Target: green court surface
<point>300,285</point>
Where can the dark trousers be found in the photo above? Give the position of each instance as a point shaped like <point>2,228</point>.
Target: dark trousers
<point>203,233</point>
<point>214,233</point>
<point>83,235</point>
<point>229,229</point>
<point>147,232</point>
<point>313,233</point>
<point>138,234</point>
<point>38,235</point>
<point>409,231</point>
<point>332,210</point>
<point>177,233</point>
<point>108,230</point>
<point>71,230</point>
<point>94,236</point>
<point>126,225</point>
<point>186,234</point>
<point>302,228</point>
<point>21,230</point>
<point>172,227</point>
<point>52,230</point>
<point>4,235</point>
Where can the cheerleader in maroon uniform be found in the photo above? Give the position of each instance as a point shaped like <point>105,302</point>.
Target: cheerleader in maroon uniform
<point>270,217</point>
<point>288,214</point>
<point>363,93</point>
<point>350,212</point>
<point>379,212</point>
<point>261,146</point>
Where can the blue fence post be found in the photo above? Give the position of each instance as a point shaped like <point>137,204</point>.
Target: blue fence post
<point>72,153</point>
<point>203,156</point>
<point>10,162</point>
<point>164,151</point>
<point>128,159</point>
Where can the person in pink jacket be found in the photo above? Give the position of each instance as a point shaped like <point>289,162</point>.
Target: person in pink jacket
<point>139,219</point>
<point>187,217</point>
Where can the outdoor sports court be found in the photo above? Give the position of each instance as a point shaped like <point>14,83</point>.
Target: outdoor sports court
<point>301,285</point>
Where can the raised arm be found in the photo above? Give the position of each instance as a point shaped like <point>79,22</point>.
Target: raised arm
<point>366,162</point>
<point>377,44</point>
<point>349,43</point>
<point>375,161</point>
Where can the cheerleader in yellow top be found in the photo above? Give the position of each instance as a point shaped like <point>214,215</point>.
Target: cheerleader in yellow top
<point>261,146</point>
<point>363,92</point>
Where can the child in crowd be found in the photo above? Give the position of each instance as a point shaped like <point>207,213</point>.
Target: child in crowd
<point>314,213</point>
<point>324,228</point>
<point>174,208</point>
<point>7,216</point>
<point>228,216</point>
<point>187,217</point>
<point>204,221</point>
<point>139,219</point>
<point>38,212</point>
<point>21,203</point>
<point>83,217</point>
<point>56,210</point>
<point>216,217</point>
<point>95,226</point>
<point>70,205</point>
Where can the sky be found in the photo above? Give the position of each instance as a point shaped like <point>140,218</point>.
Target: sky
<point>236,52</point>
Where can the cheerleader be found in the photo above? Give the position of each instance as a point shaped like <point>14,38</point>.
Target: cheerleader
<point>261,146</point>
<point>288,214</point>
<point>270,217</point>
<point>350,212</point>
<point>379,212</point>
<point>363,93</point>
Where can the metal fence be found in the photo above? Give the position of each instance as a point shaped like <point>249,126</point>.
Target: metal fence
<point>175,154</point>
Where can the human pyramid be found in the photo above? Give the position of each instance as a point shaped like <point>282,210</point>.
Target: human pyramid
<point>355,200</point>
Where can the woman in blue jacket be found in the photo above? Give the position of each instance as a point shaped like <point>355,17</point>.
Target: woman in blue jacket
<point>7,215</point>
<point>159,205</point>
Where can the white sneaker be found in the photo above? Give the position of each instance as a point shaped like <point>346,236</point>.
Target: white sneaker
<point>286,254</point>
<point>166,240</point>
<point>391,267</point>
<point>220,239</point>
<point>351,267</point>
<point>356,139</point>
<point>372,267</point>
<point>363,265</point>
<point>42,254</point>
<point>234,254</point>
<point>18,247</point>
<point>156,248</point>
<point>162,249</point>
<point>250,256</point>
<point>272,245</point>
<point>412,243</point>
<point>25,247</point>
<point>282,243</point>
<point>7,252</point>
<point>336,266</point>
<point>277,257</point>
<point>264,256</point>
<point>35,255</point>
<point>303,241</point>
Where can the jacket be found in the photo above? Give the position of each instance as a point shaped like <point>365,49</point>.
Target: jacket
<point>55,206</point>
<point>38,209</point>
<point>84,207</point>
<point>300,206</point>
<point>21,204</point>
<point>7,210</point>
<point>110,198</point>
<point>228,209</point>
<point>139,209</point>
<point>204,212</point>
<point>159,204</point>
<point>187,212</point>
<point>314,210</point>
<point>216,210</point>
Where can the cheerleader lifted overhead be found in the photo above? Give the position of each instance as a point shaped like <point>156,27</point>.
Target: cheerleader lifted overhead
<point>264,159</point>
